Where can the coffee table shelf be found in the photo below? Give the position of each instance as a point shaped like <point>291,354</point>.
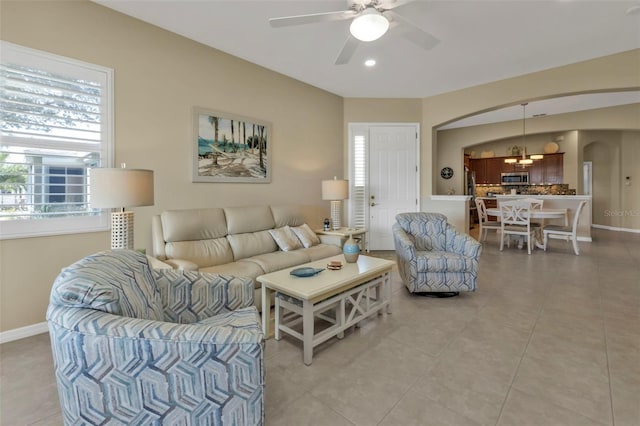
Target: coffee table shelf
<point>343,298</point>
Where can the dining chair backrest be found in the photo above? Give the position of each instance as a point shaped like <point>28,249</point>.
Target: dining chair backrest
<point>515,212</point>
<point>535,203</point>
<point>482,210</point>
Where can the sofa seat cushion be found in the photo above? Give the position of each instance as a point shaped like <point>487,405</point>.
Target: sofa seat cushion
<point>203,253</point>
<point>251,244</point>
<point>321,251</point>
<point>241,268</point>
<point>443,261</point>
<point>272,262</point>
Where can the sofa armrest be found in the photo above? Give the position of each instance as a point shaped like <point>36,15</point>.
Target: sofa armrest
<point>182,264</point>
<point>189,297</point>
<point>458,242</point>
<point>156,263</point>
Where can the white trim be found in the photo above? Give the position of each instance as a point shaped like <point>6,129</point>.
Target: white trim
<point>451,197</point>
<point>22,332</point>
<point>613,228</point>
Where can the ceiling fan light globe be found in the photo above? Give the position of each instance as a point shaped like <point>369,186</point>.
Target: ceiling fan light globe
<point>370,25</point>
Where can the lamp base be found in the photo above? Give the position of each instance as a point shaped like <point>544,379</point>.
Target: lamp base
<point>336,213</point>
<point>122,230</point>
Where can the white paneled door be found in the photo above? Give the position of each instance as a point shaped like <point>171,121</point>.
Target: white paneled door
<point>393,179</point>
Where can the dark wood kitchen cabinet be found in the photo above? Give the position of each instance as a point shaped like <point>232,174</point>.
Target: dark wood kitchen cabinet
<point>548,170</point>
<point>545,171</point>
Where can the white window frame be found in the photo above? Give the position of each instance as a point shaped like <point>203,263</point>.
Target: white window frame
<point>25,228</point>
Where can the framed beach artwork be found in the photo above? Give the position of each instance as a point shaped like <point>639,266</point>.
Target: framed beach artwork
<point>230,148</point>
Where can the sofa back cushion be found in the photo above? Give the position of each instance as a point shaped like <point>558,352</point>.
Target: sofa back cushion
<point>241,220</point>
<point>426,229</point>
<point>193,224</point>
<point>119,282</point>
<point>251,244</point>
<point>210,252</point>
<point>287,216</point>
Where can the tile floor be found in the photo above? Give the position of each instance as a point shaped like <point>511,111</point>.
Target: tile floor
<point>548,339</point>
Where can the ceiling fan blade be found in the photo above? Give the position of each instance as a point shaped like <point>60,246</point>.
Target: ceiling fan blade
<point>392,4</point>
<point>411,32</point>
<point>347,51</point>
<point>312,18</point>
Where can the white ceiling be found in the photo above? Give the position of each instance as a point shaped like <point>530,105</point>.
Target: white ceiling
<point>480,40</point>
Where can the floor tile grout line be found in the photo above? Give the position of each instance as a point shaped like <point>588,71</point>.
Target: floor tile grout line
<point>606,347</point>
<point>524,353</point>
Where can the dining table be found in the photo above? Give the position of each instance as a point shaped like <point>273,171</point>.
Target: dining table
<point>542,213</point>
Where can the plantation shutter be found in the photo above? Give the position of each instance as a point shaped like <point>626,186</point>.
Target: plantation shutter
<point>55,124</point>
<point>358,179</point>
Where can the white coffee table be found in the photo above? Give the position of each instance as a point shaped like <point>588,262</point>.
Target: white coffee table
<point>356,291</point>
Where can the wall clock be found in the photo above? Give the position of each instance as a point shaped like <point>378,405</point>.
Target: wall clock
<point>446,172</point>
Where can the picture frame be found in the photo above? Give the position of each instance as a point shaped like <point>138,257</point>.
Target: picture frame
<point>229,148</point>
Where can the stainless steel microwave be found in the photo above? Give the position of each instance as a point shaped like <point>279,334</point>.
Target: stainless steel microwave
<point>514,178</point>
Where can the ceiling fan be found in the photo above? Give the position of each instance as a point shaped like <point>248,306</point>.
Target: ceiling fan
<point>370,20</point>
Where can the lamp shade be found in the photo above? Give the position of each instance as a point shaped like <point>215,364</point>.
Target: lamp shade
<point>336,189</point>
<point>370,25</point>
<point>117,188</point>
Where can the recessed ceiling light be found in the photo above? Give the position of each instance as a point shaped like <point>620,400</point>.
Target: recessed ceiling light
<point>370,62</point>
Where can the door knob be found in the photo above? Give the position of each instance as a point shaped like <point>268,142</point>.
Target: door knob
<point>373,204</point>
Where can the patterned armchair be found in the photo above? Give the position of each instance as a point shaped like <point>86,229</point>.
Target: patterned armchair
<point>435,259</point>
<point>132,345</point>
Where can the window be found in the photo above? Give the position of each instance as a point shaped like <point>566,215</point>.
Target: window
<point>55,125</point>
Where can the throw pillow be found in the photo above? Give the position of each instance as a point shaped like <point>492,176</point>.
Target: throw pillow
<point>306,235</point>
<point>285,238</point>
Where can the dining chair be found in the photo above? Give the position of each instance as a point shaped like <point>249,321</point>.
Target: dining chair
<point>536,204</point>
<point>483,220</point>
<point>567,232</point>
<point>515,220</point>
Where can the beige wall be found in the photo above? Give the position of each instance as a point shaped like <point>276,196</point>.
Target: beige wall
<point>614,156</point>
<point>159,77</point>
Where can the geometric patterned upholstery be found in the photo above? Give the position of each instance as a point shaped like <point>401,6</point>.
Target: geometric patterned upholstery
<point>88,283</point>
<point>433,256</point>
<point>202,362</point>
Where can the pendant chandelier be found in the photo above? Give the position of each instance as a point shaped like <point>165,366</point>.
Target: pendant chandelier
<point>524,161</point>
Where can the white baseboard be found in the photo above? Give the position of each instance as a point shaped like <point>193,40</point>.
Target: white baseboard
<point>22,332</point>
<point>613,228</point>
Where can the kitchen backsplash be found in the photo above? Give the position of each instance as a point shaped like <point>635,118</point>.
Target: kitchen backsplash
<point>556,189</point>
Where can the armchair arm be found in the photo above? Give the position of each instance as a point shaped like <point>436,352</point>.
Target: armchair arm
<point>189,297</point>
<point>405,247</point>
<point>460,243</point>
<point>89,322</point>
<point>405,253</point>
<point>157,369</point>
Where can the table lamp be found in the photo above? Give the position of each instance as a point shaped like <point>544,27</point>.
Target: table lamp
<point>120,188</point>
<point>335,190</point>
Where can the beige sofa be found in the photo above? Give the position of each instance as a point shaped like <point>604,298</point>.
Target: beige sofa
<point>233,241</point>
